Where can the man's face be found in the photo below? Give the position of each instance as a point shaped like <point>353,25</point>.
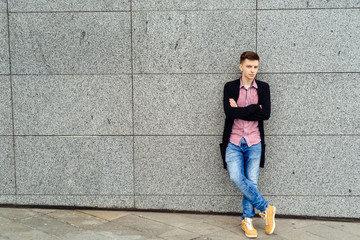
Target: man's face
<point>249,69</point>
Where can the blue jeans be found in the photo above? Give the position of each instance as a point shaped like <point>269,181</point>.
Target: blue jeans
<point>243,164</point>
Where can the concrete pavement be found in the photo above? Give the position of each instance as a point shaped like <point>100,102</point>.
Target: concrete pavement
<point>39,224</point>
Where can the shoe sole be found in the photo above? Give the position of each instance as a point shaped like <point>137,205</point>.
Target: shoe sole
<point>249,236</point>
<point>273,229</point>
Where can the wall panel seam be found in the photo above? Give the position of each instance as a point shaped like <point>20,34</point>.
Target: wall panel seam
<point>169,73</point>
<point>11,98</point>
<point>132,100</point>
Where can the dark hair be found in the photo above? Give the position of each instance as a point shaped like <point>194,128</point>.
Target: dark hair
<point>249,55</point>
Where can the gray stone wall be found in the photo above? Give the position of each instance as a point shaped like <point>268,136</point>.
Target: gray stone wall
<point>118,103</point>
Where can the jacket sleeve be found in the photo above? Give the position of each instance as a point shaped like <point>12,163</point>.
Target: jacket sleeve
<point>264,112</point>
<point>237,112</point>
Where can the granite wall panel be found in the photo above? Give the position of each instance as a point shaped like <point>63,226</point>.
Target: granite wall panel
<point>5,106</point>
<point>174,104</point>
<point>4,44</point>
<point>311,166</point>
<point>72,105</point>
<point>313,104</point>
<point>191,42</point>
<point>7,170</point>
<point>193,5</point>
<point>8,199</point>
<point>318,205</point>
<point>308,40</point>
<point>74,165</point>
<point>100,201</point>
<point>70,43</point>
<point>285,4</point>
<point>336,206</point>
<point>179,165</point>
<point>72,5</point>
<point>3,5</point>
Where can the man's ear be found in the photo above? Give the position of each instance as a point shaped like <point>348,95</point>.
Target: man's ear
<point>240,67</point>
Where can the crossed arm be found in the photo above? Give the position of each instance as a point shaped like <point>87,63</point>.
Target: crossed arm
<point>253,112</point>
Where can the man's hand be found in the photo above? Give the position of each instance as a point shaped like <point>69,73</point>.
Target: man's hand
<point>232,102</point>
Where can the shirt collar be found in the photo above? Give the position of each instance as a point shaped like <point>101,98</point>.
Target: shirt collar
<point>253,84</point>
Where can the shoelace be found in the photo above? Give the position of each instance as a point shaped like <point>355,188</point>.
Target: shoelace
<point>264,215</point>
<point>249,225</point>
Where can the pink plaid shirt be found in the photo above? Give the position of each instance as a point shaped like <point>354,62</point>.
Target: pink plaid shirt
<point>242,128</point>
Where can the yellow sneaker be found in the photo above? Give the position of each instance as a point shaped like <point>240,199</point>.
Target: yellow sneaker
<point>247,226</point>
<point>269,219</point>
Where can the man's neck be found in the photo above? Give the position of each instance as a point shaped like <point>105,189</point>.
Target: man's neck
<point>246,82</point>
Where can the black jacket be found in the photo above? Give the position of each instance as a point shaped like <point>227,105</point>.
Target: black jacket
<point>250,113</point>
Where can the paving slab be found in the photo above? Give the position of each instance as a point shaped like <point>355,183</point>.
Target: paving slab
<point>50,225</point>
<point>76,218</point>
<point>169,219</point>
<point>106,215</point>
<point>16,214</point>
<point>201,228</point>
<point>179,234</point>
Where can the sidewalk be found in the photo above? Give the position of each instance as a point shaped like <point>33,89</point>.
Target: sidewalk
<point>39,224</point>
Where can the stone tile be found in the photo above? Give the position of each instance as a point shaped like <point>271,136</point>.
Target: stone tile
<point>281,4</point>
<point>204,204</point>
<point>77,219</point>
<point>42,210</point>
<point>196,170</point>
<point>50,225</point>
<point>5,106</point>
<point>16,230</point>
<point>101,201</point>
<point>72,105</point>
<point>316,206</point>
<point>4,43</point>
<point>3,5</point>
<point>191,42</point>
<point>330,232</point>
<point>196,217</point>
<point>223,221</point>
<point>70,43</point>
<point>348,227</point>
<point>73,5</point>
<point>88,235</point>
<point>300,235</point>
<point>174,220</point>
<point>178,234</point>
<point>278,4</point>
<point>7,176</point>
<point>311,104</point>
<point>4,221</point>
<point>334,4</point>
<point>177,102</point>
<point>225,234</point>
<point>8,199</point>
<point>201,228</point>
<point>300,168</point>
<point>192,5</point>
<point>144,226</point>
<point>74,165</point>
<point>17,214</point>
<point>117,231</point>
<point>106,215</point>
<point>317,38</point>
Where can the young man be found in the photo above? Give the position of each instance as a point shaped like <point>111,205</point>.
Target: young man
<point>247,105</point>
